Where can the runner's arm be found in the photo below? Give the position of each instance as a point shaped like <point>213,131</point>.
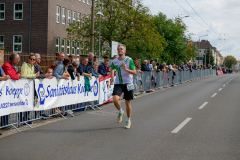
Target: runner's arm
<point>112,74</point>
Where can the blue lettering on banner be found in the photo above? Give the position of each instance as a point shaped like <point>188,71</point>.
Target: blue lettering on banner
<point>0,92</point>
<point>7,104</point>
<point>64,90</point>
<point>16,92</point>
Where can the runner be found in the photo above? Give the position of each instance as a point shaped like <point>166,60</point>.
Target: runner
<point>125,70</point>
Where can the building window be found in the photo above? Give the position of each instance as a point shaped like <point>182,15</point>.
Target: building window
<point>79,0</point>
<point>63,15</point>
<point>1,41</point>
<point>74,17</point>
<point>58,14</point>
<point>2,11</point>
<point>63,45</point>
<point>88,2</point>
<point>78,49</point>
<point>69,17</point>
<point>17,44</point>
<point>83,19</point>
<point>18,11</point>
<point>78,19</point>
<point>84,1</point>
<point>73,47</point>
<point>82,48</point>
<point>57,45</point>
<point>68,47</point>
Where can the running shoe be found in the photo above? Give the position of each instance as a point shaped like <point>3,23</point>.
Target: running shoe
<point>120,115</point>
<point>128,124</point>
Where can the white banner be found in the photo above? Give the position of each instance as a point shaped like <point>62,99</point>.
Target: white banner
<point>16,96</point>
<point>114,48</point>
<point>54,92</point>
<point>106,89</point>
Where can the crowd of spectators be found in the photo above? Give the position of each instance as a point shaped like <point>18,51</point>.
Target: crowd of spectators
<point>66,67</point>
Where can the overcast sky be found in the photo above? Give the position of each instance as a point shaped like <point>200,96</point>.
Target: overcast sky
<point>220,19</point>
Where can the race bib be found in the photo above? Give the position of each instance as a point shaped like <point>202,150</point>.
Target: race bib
<point>130,86</point>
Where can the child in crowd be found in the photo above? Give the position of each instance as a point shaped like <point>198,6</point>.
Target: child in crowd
<point>139,78</point>
<point>49,73</point>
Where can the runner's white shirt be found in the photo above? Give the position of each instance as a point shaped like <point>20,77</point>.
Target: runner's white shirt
<point>123,77</point>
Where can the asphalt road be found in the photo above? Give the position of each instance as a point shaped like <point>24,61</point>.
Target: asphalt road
<point>193,121</point>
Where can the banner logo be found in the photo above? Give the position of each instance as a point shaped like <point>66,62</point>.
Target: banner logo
<point>41,94</point>
<point>95,88</point>
<point>26,89</point>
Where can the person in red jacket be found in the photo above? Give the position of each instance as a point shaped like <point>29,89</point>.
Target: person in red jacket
<point>10,67</point>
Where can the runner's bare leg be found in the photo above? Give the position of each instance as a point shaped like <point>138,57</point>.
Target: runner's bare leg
<point>128,108</point>
<point>116,102</point>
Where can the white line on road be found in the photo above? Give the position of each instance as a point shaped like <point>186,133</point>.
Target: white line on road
<point>203,105</point>
<point>220,89</point>
<point>176,130</point>
<point>214,95</point>
<point>223,85</point>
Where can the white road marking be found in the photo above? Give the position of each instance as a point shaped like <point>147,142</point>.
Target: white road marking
<point>224,85</point>
<point>176,130</point>
<point>214,95</point>
<point>203,105</point>
<point>220,89</point>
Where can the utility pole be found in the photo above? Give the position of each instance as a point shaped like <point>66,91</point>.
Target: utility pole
<point>92,27</point>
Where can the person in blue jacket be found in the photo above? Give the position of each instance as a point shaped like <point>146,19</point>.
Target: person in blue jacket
<point>104,68</point>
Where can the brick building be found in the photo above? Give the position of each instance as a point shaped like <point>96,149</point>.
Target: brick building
<point>39,26</point>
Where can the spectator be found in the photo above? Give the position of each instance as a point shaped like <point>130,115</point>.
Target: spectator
<point>37,67</point>
<point>81,67</point>
<point>10,67</point>
<point>72,69</point>
<point>94,69</point>
<point>61,69</point>
<point>4,77</point>
<point>90,58</point>
<point>144,66</point>
<point>71,58</point>
<point>27,69</point>
<point>104,68</point>
<point>156,67</point>
<point>115,56</point>
<point>139,78</point>
<point>60,59</point>
<point>49,73</point>
<point>183,67</point>
<point>156,61</point>
<point>136,62</point>
<point>162,67</point>
<point>151,65</point>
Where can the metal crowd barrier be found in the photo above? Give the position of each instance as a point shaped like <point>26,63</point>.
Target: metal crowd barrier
<point>143,82</point>
<point>160,80</point>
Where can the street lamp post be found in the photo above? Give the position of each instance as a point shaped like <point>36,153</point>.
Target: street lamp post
<point>99,44</point>
<point>92,27</point>
<point>199,48</point>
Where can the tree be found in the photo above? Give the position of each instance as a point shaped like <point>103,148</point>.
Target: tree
<point>124,23</point>
<point>173,33</point>
<point>229,61</point>
<point>207,52</point>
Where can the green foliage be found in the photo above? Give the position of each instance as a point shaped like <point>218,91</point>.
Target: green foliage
<point>124,23</point>
<point>208,51</point>
<point>229,61</point>
<point>173,32</point>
